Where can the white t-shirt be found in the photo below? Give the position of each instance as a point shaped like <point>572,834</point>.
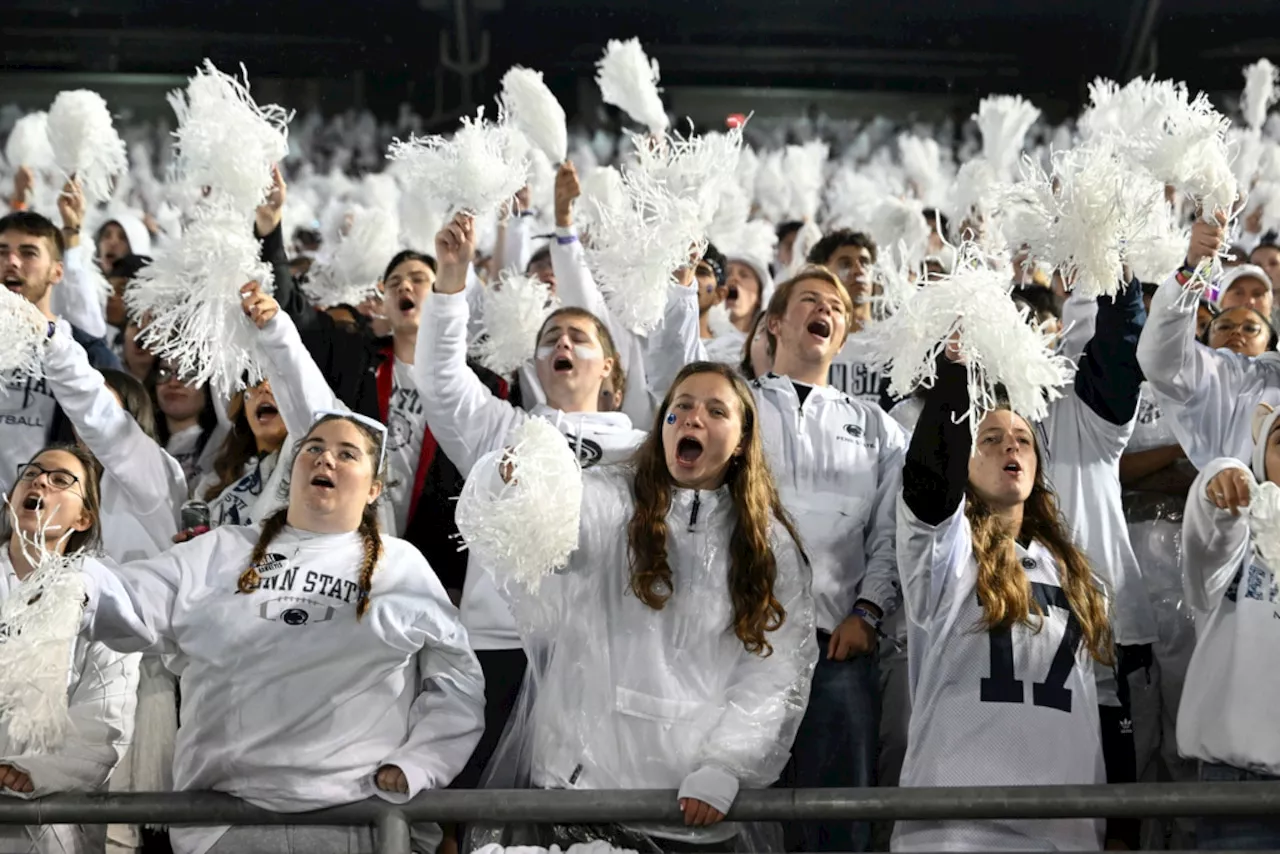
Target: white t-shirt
<point>1151,429</point>
<point>26,419</point>
<point>406,423</point>
<point>237,504</point>
<point>856,379</point>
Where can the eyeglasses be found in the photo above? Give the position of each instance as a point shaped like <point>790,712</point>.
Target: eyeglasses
<point>167,373</point>
<point>1251,328</point>
<point>379,429</point>
<point>59,479</point>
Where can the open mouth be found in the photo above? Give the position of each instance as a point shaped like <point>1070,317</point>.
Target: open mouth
<point>562,365</point>
<point>266,412</point>
<point>407,304</point>
<point>322,481</point>
<point>33,502</point>
<point>14,285</point>
<point>1013,468</point>
<point>733,293</point>
<point>688,450</point>
<point>820,327</point>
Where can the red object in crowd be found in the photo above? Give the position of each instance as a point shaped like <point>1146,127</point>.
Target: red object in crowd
<point>735,120</point>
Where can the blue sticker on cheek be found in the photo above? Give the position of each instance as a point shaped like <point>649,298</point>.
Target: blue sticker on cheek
<point>671,418</point>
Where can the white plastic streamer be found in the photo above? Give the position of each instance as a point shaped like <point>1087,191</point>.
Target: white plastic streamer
<point>602,189</point>
<point>475,171</point>
<point>772,188</point>
<point>804,165</point>
<point>1004,121</point>
<point>348,271</point>
<point>41,620</point>
<point>695,167</point>
<point>85,143</point>
<point>635,249</point>
<point>629,81</point>
<point>23,332</point>
<point>1260,93</point>
<point>533,109</point>
<point>530,527</point>
<point>1191,152</point>
<point>190,295</point>
<point>28,143</point>
<point>922,165</point>
<point>995,339</point>
<point>514,311</point>
<point>900,227</point>
<point>226,141</point>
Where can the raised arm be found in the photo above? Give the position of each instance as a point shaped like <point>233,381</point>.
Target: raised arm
<point>81,295</point>
<point>1215,531</point>
<point>129,607</point>
<point>1109,378</point>
<point>149,476</point>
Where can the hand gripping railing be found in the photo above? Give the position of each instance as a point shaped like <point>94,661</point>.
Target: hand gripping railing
<point>1140,800</point>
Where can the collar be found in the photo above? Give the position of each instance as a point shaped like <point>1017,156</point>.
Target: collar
<point>787,385</point>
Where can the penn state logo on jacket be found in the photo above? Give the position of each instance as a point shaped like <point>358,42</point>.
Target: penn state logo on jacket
<point>588,451</point>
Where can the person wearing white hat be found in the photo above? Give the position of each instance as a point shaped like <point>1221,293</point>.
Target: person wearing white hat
<point>1249,286</point>
<point>1229,555</point>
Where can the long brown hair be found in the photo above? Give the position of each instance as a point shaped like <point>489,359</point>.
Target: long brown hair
<point>369,529</point>
<point>237,449</point>
<point>753,568</point>
<point>1003,589</point>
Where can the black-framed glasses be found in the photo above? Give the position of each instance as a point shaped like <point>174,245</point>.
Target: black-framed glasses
<point>59,479</point>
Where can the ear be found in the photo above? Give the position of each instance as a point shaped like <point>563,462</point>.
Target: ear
<point>57,270</point>
<point>83,523</point>
<point>606,368</point>
<point>773,323</point>
<point>1260,414</point>
<point>375,492</point>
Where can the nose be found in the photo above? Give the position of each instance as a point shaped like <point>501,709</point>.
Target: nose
<point>326,458</point>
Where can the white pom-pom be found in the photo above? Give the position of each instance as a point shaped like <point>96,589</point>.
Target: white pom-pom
<point>1192,154</point>
<point>629,81</point>
<point>806,238</point>
<point>226,141</point>
<point>23,332</point>
<point>349,269</point>
<point>900,228</point>
<point>693,167</point>
<point>1264,520</point>
<point>1260,81</point>
<point>532,108</point>
<point>1159,244</point>
<point>1004,121</point>
<point>922,164</point>
<point>772,188</point>
<point>41,617</point>
<point>803,165</point>
<point>996,342</point>
<point>28,143</point>
<point>85,143</point>
<point>851,200</point>
<point>476,171</point>
<point>190,297</point>
<point>602,189</point>
<point>514,311</point>
<point>530,528</point>
<point>635,249</point>
<point>976,191</point>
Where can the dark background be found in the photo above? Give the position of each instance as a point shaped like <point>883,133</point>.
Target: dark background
<point>852,57</point>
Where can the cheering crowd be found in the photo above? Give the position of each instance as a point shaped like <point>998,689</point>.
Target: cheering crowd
<point>669,464</point>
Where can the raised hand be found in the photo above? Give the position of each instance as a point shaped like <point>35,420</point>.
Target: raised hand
<point>259,306</point>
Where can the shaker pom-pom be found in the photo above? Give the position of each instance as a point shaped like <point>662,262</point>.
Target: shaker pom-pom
<point>348,270</point>
<point>1260,92</point>
<point>23,332</point>
<point>85,143</point>
<point>532,108</point>
<point>514,311</point>
<point>1004,121</point>
<point>225,141</point>
<point>530,526</point>
<point>28,143</point>
<point>629,81</point>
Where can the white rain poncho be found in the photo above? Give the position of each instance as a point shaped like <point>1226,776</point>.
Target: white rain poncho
<point>622,696</point>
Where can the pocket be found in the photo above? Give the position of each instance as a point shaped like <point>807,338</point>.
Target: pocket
<point>661,709</point>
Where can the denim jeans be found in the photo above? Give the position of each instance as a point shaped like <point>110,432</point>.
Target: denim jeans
<point>1223,833</point>
<point>836,746</point>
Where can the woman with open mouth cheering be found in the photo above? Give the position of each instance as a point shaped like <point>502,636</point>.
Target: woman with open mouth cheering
<point>677,648</point>
<point>323,661</point>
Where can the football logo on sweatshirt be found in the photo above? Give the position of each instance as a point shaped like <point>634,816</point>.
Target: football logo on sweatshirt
<point>589,452</point>
<point>296,611</point>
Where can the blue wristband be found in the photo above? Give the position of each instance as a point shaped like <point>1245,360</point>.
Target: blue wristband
<point>871,619</point>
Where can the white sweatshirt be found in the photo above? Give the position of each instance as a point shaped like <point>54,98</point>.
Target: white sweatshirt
<point>1033,722</point>
<point>468,421</point>
<point>288,701</point>
<point>27,409</point>
<point>143,488</point>
<point>637,698</point>
<point>101,695</point>
<point>1208,395</point>
<point>838,466</point>
<point>81,296</point>
<point>1229,702</point>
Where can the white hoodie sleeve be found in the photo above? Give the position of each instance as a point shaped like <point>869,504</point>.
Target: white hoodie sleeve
<point>80,297</point>
<point>101,707</point>
<point>674,344</point>
<point>465,418</point>
<point>880,583</point>
<point>517,243</point>
<point>149,476</point>
<point>447,718</point>
<point>1214,542</point>
<point>297,383</point>
<point>767,695</point>
<point>130,606</point>
<point>1206,384</point>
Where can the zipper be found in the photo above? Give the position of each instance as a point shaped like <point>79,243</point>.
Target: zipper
<point>693,515</point>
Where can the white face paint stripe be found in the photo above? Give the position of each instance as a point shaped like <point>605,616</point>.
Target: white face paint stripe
<point>585,352</point>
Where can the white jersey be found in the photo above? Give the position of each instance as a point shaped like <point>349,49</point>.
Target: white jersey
<point>1208,395</point>
<point>1011,707</point>
<point>1229,702</point>
<point>289,701</point>
<point>406,426</point>
<point>1151,429</point>
<point>856,378</point>
<point>838,465</point>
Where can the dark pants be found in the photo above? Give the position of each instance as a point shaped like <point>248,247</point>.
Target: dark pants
<point>503,676</point>
<point>835,747</point>
<point>1223,833</point>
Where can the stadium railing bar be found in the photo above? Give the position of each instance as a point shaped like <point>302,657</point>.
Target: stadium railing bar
<point>1140,800</point>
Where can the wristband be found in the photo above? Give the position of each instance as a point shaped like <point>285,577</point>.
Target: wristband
<point>870,618</point>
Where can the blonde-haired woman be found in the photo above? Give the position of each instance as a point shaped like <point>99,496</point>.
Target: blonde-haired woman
<point>1005,624</point>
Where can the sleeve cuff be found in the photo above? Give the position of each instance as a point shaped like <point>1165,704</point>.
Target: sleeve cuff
<point>417,779</point>
<point>711,785</point>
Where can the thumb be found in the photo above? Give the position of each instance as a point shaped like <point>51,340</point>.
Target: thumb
<point>831,646</point>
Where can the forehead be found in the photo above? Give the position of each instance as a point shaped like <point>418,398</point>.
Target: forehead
<point>113,229</point>
<point>817,287</point>
<point>706,386</point>
<point>60,460</point>
<point>1004,419</point>
<point>851,252</point>
<point>411,267</point>
<point>562,322</point>
<point>336,431</point>
<point>1239,314</point>
<point>741,269</point>
<point>14,237</point>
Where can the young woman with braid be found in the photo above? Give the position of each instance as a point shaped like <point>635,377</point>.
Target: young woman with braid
<point>997,595</point>
<point>323,662</point>
<point>677,648</point>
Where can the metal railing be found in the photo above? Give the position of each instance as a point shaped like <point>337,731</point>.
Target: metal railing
<point>1138,800</point>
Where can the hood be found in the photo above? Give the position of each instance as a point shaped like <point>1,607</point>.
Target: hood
<point>134,229</point>
<point>760,267</point>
